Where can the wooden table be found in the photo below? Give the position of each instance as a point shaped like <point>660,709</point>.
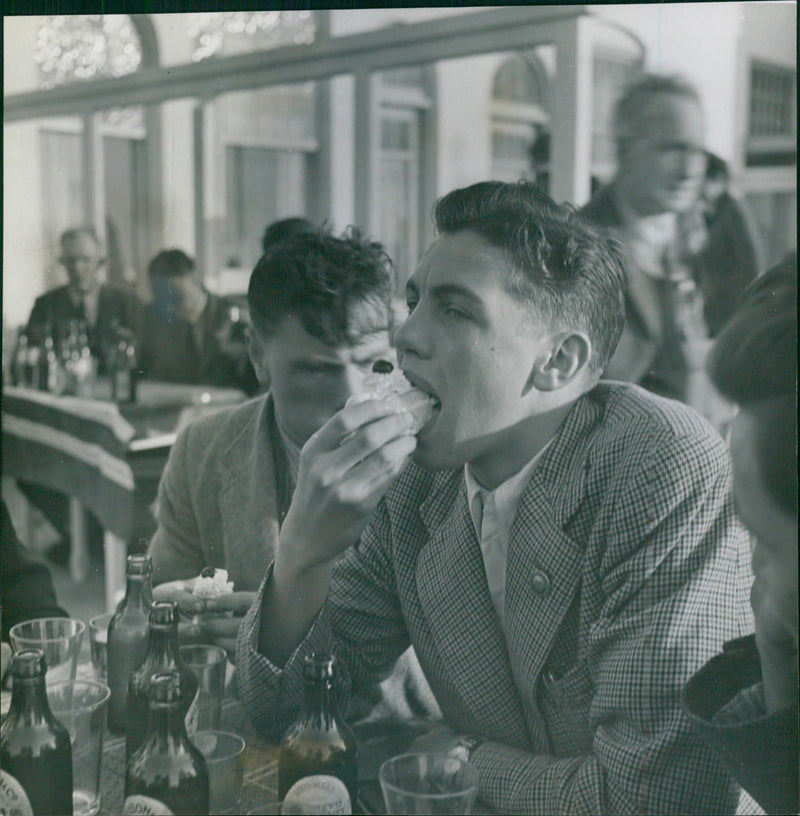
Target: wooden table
<point>105,457</point>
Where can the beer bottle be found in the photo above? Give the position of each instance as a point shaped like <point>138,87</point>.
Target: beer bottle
<point>127,637</point>
<point>163,655</point>
<point>166,774</point>
<point>319,744</point>
<point>35,752</point>
<point>123,368</point>
<point>49,372</point>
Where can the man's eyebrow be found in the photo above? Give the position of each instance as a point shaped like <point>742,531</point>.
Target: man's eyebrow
<point>445,290</point>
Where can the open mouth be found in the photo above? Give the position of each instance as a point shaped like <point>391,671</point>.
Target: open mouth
<point>421,385</point>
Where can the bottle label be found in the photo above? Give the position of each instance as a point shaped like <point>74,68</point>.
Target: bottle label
<point>13,799</point>
<point>193,715</point>
<point>317,794</point>
<point>136,805</point>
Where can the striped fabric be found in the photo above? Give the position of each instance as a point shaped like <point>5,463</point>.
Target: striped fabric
<point>626,571</point>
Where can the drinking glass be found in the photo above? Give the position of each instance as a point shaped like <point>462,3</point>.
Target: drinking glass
<point>98,638</point>
<point>59,638</point>
<point>208,664</point>
<point>223,753</point>
<point>81,708</point>
<point>428,783</point>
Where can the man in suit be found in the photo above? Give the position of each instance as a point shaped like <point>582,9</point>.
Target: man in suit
<point>321,315</point>
<point>659,131</point>
<point>82,304</point>
<point>561,552</point>
<point>84,299</point>
<point>190,335</point>
<point>743,702</point>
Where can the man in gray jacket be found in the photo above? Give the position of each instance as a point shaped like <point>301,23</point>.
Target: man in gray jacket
<point>321,315</point>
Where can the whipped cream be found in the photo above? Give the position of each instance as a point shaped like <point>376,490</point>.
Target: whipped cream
<point>212,585</point>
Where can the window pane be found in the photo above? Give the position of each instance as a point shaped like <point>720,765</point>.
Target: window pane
<point>262,185</point>
<point>772,98</point>
<point>395,135</point>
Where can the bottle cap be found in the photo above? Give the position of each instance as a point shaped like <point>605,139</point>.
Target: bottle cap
<point>318,666</point>
<point>28,663</point>
<point>140,565</point>
<point>165,688</point>
<point>163,613</point>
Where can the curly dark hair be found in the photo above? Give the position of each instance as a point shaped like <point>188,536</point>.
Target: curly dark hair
<point>562,267</point>
<point>316,277</point>
<point>284,228</point>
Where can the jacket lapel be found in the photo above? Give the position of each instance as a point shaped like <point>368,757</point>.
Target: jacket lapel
<point>248,504</point>
<point>452,586</point>
<point>545,564</point>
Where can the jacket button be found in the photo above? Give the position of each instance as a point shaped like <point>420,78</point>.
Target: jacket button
<point>540,583</point>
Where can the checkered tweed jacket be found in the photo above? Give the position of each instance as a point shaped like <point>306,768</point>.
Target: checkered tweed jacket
<point>626,571</point>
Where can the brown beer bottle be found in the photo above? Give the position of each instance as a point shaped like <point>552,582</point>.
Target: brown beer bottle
<point>127,637</point>
<point>167,774</point>
<point>163,655</point>
<point>319,745</point>
<point>35,750</point>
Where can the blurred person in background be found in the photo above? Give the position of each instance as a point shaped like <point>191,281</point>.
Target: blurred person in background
<point>284,228</point>
<point>26,589</point>
<point>661,160</point>
<point>84,299</point>
<point>188,334</point>
<point>729,259</point>
<point>743,703</point>
<point>321,316</point>
<point>84,304</point>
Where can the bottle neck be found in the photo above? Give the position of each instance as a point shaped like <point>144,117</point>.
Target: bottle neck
<point>162,648</point>
<point>139,593</point>
<point>320,702</point>
<point>29,704</point>
<point>166,726</point>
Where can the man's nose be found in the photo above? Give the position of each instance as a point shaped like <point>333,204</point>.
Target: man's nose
<point>411,337</point>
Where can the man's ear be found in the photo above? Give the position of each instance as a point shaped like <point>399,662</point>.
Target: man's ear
<point>569,356</point>
<point>257,351</point>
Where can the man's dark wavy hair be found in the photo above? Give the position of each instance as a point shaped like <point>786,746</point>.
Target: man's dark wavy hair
<point>567,272</point>
<point>317,277</point>
<point>754,363</point>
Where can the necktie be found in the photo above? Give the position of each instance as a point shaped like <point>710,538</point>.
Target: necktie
<point>493,549</point>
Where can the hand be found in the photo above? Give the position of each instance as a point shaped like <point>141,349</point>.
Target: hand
<point>345,468</point>
<point>439,740</point>
<point>180,592</point>
<point>222,619</point>
<point>215,620</point>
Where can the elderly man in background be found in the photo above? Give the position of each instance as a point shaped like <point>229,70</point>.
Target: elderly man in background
<point>744,701</point>
<point>82,306</point>
<point>661,161</point>
<point>83,299</point>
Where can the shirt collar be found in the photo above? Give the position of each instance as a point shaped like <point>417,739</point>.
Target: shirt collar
<point>90,301</point>
<point>506,495</point>
<point>291,450</point>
